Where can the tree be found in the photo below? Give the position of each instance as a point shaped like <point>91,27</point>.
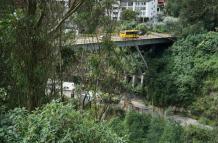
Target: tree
<point>128,14</point>
<point>93,16</point>
<point>184,72</point>
<point>196,16</point>
<point>35,27</point>
<point>200,11</point>
<point>88,17</point>
<point>174,7</point>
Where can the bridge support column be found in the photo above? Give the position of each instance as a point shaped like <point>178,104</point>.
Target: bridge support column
<point>133,80</point>
<point>142,80</point>
<point>143,59</point>
<point>125,78</point>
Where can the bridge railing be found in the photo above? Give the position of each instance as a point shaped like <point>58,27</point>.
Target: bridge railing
<point>96,35</point>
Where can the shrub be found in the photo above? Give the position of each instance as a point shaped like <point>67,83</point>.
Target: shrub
<point>117,125</point>
<point>54,123</point>
<point>155,130</point>
<point>172,133</point>
<point>197,135</point>
<point>137,126</point>
<point>142,27</point>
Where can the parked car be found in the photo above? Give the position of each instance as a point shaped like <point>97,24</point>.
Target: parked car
<point>141,32</point>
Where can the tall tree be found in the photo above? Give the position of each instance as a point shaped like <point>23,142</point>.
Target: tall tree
<point>36,25</point>
<point>200,11</point>
<point>173,7</point>
<point>128,15</point>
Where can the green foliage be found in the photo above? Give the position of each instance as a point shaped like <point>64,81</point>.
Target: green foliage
<point>128,14</point>
<point>91,18</point>
<point>126,25</point>
<point>169,24</point>
<point>198,135</point>
<point>155,130</point>
<point>88,17</point>
<point>6,7</point>
<point>196,28</point>
<point>7,43</point>
<point>139,128</point>
<point>207,107</point>
<point>173,133</point>
<point>174,7</point>
<point>196,16</point>
<point>205,11</point>
<point>181,74</point>
<point>137,125</point>
<point>54,123</point>
<point>142,27</point>
<point>3,101</point>
<point>118,126</point>
<point>160,28</point>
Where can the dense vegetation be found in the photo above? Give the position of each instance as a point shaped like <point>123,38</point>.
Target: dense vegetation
<point>33,51</point>
<point>140,128</point>
<point>54,123</point>
<point>189,68</point>
<point>186,75</point>
<point>196,16</point>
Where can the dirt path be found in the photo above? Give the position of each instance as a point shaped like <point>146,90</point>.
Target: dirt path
<point>139,106</point>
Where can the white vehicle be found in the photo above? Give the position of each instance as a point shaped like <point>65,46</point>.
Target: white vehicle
<point>68,87</point>
<point>88,96</point>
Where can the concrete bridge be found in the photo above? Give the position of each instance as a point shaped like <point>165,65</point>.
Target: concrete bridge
<point>95,42</point>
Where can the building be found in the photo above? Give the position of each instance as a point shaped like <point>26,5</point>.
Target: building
<point>161,2</point>
<point>160,6</point>
<point>147,9</point>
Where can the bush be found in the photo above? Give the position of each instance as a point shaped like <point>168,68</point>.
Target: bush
<point>155,130</point>
<point>169,24</point>
<point>127,25</point>
<point>197,135</point>
<point>54,123</point>
<point>137,126</point>
<point>173,133</point>
<point>142,27</point>
<point>207,107</point>
<point>117,125</point>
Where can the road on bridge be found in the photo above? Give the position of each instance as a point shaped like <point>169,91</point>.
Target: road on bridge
<point>95,39</point>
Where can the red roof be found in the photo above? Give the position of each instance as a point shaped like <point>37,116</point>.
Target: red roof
<point>161,1</point>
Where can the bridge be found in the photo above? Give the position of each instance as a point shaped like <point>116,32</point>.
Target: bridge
<point>95,42</point>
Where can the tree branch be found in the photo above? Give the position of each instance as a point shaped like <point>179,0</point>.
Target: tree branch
<point>39,21</point>
<point>73,9</point>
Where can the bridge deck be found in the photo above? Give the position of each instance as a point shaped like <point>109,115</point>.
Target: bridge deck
<point>96,41</point>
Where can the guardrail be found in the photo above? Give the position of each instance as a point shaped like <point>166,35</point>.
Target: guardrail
<point>96,35</point>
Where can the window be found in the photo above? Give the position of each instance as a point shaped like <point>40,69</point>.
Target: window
<point>129,33</point>
<point>114,18</point>
<point>130,3</point>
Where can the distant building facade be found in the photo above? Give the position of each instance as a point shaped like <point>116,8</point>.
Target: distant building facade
<point>160,6</point>
<point>147,9</point>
